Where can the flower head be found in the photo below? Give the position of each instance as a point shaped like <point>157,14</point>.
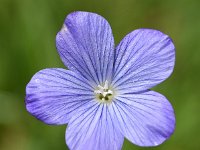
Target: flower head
<point>105,96</point>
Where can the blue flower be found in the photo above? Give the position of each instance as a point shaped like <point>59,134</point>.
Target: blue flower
<point>105,96</point>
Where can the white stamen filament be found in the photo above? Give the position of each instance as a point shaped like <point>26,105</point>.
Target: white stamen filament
<point>104,91</point>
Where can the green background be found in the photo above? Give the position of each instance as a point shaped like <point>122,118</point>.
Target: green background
<point>27,45</point>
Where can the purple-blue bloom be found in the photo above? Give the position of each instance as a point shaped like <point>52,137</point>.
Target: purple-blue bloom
<point>105,96</point>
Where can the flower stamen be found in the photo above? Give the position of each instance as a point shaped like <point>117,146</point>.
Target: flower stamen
<point>103,93</point>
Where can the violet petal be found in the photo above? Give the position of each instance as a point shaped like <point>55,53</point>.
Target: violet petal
<point>144,58</point>
<point>93,128</point>
<point>146,119</point>
<point>53,95</point>
<point>86,45</point>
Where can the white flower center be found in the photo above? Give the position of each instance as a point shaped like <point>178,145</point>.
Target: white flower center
<point>103,93</point>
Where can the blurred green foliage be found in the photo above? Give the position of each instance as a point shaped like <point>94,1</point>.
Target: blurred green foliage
<point>27,45</point>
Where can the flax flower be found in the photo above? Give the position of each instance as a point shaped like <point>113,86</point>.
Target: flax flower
<point>105,95</point>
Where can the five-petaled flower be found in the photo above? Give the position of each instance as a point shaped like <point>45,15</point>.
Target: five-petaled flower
<point>105,96</point>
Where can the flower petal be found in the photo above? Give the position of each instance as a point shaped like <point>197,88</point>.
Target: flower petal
<point>86,44</point>
<point>146,119</point>
<point>93,129</point>
<point>144,58</point>
<point>53,95</point>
